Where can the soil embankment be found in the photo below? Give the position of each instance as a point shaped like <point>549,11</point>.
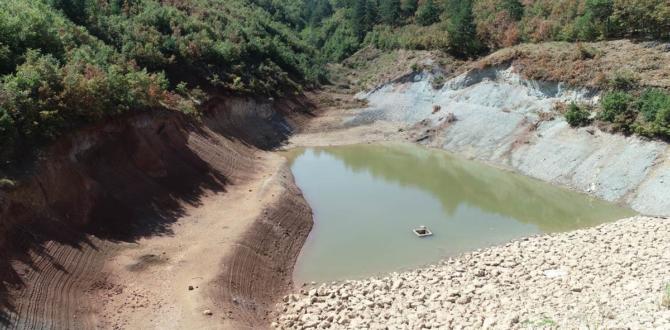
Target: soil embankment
<point>120,220</point>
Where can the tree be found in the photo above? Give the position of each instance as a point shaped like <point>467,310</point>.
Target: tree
<point>514,8</point>
<point>360,19</point>
<point>372,14</point>
<point>408,7</point>
<point>463,41</point>
<point>597,17</point>
<point>650,18</point>
<point>390,12</point>
<point>321,10</point>
<point>427,14</point>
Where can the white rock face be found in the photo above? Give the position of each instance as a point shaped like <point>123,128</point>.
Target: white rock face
<point>611,276</point>
<point>499,121</point>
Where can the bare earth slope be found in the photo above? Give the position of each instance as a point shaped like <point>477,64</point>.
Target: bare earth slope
<point>122,218</point>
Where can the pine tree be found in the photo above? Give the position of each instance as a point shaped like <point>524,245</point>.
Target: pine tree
<point>462,31</point>
<point>514,8</point>
<point>372,14</point>
<point>427,14</point>
<point>408,7</point>
<point>359,20</point>
<point>321,9</point>
<point>600,11</point>
<point>390,12</point>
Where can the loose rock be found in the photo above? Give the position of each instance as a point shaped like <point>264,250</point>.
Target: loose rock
<point>615,275</point>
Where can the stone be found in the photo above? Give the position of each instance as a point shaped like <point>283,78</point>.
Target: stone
<point>547,271</point>
<point>554,273</point>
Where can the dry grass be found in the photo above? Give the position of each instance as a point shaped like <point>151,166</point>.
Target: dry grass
<point>594,65</point>
<point>587,64</point>
<point>370,67</point>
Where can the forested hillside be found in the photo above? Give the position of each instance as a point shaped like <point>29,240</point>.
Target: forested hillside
<point>468,28</point>
<point>65,63</point>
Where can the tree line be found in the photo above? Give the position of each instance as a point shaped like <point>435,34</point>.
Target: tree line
<point>469,28</point>
<point>67,63</point>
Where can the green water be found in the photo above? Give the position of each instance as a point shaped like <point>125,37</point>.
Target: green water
<point>367,199</point>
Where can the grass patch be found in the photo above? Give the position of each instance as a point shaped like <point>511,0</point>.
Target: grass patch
<point>543,322</point>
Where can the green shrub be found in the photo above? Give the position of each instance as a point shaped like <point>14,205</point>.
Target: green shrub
<point>614,105</point>
<point>618,109</point>
<point>652,101</point>
<point>577,116</point>
<point>427,14</point>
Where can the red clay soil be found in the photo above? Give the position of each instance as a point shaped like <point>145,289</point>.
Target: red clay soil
<point>121,183</point>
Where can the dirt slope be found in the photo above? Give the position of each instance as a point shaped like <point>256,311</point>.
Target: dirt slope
<point>121,218</point>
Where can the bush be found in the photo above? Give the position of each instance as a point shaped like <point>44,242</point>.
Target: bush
<point>618,109</point>
<point>652,101</point>
<point>615,104</point>
<point>577,116</point>
<point>427,14</point>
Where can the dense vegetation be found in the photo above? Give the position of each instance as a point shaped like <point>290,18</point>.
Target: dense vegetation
<point>65,63</point>
<point>645,112</point>
<point>467,28</point>
<point>628,108</point>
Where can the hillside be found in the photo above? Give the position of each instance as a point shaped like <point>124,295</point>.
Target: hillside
<point>144,181</point>
<point>67,63</point>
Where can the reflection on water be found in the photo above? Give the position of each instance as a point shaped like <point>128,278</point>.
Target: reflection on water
<point>367,198</point>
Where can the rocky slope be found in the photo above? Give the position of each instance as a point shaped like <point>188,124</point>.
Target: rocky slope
<point>496,116</point>
<point>561,280</point>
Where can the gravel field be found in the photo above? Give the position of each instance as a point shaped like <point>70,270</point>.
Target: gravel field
<point>612,276</point>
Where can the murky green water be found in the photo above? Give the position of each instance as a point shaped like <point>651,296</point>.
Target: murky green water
<point>367,198</point>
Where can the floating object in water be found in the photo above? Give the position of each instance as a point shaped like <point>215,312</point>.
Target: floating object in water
<point>422,231</point>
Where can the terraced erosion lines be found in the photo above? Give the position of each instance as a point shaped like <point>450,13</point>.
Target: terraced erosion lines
<point>58,279</point>
<point>120,218</point>
<point>260,268</point>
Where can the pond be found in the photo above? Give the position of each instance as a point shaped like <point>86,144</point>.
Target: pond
<point>367,199</point>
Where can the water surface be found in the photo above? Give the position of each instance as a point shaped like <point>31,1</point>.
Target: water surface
<point>367,199</point>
